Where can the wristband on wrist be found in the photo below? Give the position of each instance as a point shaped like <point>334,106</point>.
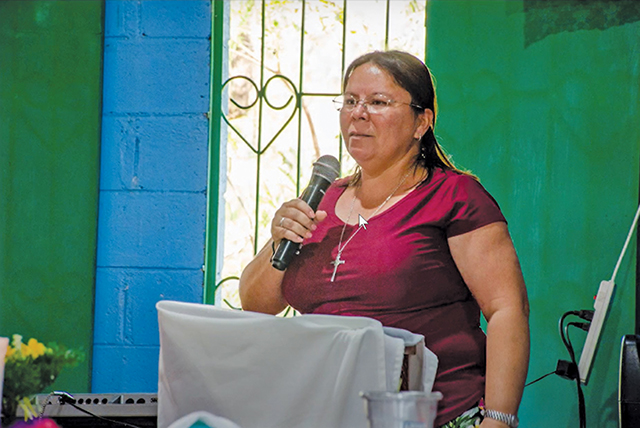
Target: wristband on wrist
<point>511,420</point>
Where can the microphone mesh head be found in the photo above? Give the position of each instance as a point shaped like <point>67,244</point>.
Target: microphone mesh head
<point>327,167</point>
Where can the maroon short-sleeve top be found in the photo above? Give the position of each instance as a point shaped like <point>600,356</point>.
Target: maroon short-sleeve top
<point>399,270</point>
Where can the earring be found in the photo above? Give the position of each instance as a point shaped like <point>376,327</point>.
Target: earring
<point>423,152</point>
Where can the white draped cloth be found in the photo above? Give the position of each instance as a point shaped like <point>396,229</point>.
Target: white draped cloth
<point>262,371</point>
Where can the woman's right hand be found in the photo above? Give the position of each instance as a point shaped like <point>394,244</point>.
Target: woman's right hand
<point>295,221</point>
<point>260,283</point>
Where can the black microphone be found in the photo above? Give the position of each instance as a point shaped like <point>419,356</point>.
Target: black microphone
<point>325,170</point>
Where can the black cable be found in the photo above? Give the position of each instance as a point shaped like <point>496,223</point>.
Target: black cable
<point>586,314</point>
<point>66,398</point>
<point>561,325</point>
<point>564,334</point>
<point>113,421</point>
<point>581,404</point>
<point>581,325</point>
<point>540,378</point>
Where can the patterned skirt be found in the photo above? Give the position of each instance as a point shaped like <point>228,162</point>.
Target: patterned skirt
<point>469,419</point>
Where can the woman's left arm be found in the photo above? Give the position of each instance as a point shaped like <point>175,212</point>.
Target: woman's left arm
<point>489,265</point>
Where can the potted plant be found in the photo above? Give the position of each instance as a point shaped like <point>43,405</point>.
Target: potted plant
<point>30,368</point>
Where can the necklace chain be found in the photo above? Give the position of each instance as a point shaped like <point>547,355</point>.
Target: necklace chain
<point>338,261</point>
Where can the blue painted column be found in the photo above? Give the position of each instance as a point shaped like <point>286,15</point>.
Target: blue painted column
<point>151,227</point>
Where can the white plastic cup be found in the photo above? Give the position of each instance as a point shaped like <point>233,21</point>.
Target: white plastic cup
<point>405,409</point>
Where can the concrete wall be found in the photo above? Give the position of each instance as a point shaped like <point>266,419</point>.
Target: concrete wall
<point>50,104</point>
<point>151,223</point>
<point>546,112</point>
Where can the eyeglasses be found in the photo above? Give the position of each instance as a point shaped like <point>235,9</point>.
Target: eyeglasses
<point>376,105</point>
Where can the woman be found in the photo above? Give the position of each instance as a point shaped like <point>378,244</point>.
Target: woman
<point>434,253</point>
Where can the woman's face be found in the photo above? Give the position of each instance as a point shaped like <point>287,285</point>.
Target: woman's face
<point>379,140</point>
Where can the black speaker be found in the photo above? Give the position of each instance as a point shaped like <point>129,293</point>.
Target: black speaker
<point>629,383</point>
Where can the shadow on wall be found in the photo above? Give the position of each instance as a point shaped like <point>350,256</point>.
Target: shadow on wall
<point>546,17</point>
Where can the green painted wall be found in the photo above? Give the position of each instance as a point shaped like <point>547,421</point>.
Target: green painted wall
<point>50,98</point>
<point>542,103</point>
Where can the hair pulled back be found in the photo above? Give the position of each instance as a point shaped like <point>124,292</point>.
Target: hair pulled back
<point>411,74</point>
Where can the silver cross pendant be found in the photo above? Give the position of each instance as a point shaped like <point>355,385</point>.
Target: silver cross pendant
<point>337,262</point>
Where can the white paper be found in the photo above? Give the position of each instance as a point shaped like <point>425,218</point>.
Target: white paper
<point>425,362</point>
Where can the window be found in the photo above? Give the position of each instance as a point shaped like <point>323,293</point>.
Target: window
<point>285,64</point>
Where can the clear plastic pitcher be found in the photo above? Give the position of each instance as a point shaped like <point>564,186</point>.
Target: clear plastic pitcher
<point>405,409</point>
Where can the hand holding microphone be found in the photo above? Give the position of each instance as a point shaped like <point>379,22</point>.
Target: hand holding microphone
<point>296,218</point>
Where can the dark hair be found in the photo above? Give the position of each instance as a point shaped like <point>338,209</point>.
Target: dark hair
<point>412,75</point>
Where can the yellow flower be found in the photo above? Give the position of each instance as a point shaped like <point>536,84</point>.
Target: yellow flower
<point>33,348</point>
<point>10,352</point>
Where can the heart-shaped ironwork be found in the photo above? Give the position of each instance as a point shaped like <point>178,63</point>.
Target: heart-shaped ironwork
<point>261,94</point>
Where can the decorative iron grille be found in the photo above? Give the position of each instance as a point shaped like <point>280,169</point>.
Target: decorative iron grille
<point>285,60</point>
